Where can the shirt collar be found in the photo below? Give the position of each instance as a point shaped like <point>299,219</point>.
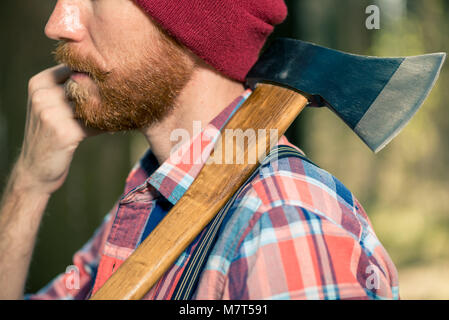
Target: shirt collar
<point>177,173</point>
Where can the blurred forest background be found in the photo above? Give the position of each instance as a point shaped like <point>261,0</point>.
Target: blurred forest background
<point>404,189</point>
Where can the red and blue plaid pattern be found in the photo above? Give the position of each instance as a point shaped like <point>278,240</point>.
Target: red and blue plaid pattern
<point>295,233</point>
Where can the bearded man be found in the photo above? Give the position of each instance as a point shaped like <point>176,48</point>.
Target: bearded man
<point>157,66</point>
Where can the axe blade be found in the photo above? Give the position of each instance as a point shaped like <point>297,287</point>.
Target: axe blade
<point>376,97</point>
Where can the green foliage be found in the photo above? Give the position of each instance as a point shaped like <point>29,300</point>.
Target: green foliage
<point>405,188</point>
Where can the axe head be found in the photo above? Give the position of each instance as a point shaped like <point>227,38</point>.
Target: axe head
<point>376,97</point>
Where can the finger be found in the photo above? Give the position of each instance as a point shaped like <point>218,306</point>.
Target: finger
<point>59,74</point>
<point>49,77</point>
<point>67,110</point>
<point>54,97</point>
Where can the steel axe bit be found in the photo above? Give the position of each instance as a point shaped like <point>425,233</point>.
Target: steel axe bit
<point>376,97</point>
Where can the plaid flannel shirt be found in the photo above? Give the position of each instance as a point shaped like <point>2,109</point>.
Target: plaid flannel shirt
<point>295,233</point>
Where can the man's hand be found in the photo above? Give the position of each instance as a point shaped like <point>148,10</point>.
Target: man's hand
<point>52,133</point>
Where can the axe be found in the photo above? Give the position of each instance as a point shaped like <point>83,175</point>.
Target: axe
<point>375,97</point>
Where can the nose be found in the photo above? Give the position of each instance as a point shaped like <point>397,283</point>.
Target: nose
<point>65,22</point>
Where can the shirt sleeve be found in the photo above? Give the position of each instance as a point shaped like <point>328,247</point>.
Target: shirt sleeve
<point>292,253</point>
<point>77,280</point>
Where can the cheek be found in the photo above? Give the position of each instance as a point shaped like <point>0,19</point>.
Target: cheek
<point>119,28</point>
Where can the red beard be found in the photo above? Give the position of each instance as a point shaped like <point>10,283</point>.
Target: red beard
<point>138,93</point>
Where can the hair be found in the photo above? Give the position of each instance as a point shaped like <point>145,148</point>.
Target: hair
<point>140,91</point>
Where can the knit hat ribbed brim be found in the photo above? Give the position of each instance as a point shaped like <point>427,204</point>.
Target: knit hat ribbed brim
<point>227,34</point>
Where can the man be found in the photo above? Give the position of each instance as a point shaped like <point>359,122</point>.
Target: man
<point>157,66</point>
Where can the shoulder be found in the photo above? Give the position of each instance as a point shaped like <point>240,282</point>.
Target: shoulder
<point>290,180</point>
<point>287,191</point>
<point>305,221</point>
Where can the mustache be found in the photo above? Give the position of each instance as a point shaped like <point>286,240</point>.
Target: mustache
<point>64,54</point>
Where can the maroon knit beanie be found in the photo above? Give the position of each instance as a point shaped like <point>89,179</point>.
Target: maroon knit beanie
<point>227,34</point>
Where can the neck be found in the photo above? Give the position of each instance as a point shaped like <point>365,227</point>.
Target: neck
<point>202,99</point>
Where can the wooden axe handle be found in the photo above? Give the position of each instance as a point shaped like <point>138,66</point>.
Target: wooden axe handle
<point>268,107</point>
